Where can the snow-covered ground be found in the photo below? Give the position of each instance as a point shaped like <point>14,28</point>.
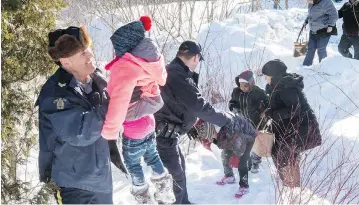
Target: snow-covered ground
<point>247,42</point>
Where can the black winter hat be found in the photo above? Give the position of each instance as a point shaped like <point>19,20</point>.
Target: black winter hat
<point>274,67</point>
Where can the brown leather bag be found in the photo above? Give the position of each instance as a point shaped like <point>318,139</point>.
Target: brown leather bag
<point>300,47</point>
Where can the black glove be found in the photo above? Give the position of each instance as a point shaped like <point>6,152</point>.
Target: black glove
<point>192,134</point>
<point>136,94</point>
<point>232,104</point>
<point>116,156</point>
<point>95,99</point>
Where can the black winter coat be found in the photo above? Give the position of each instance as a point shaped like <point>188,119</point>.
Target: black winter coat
<point>295,124</point>
<point>183,102</point>
<point>250,104</point>
<point>350,14</point>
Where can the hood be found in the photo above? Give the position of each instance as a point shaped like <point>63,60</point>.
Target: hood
<point>289,80</point>
<point>147,49</point>
<point>155,69</point>
<point>247,77</point>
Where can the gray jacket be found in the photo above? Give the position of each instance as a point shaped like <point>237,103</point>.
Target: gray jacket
<point>321,14</point>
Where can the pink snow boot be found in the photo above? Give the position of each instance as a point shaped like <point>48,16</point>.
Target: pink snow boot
<point>241,192</point>
<point>226,180</point>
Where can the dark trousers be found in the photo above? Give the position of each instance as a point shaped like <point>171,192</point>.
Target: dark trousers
<point>173,159</point>
<point>345,43</point>
<point>79,196</point>
<point>244,165</point>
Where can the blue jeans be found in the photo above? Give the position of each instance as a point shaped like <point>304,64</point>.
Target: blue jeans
<point>134,150</point>
<point>313,45</point>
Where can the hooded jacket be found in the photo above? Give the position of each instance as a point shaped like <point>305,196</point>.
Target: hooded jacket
<point>128,72</point>
<point>294,120</point>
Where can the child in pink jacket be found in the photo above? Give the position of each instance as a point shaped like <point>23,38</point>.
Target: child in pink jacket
<point>138,64</point>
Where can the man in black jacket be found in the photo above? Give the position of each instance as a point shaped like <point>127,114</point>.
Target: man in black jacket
<point>350,14</point>
<point>183,104</point>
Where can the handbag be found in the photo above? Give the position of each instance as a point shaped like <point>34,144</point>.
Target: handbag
<point>300,47</point>
<point>264,141</point>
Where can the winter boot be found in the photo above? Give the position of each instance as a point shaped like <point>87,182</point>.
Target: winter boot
<point>142,194</point>
<point>226,180</point>
<point>241,192</point>
<point>255,168</point>
<point>164,188</point>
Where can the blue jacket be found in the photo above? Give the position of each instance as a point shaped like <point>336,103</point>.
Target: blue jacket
<point>321,15</point>
<point>72,151</point>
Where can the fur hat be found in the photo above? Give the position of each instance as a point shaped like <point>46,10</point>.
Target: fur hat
<point>64,43</point>
<point>274,67</point>
<point>127,37</point>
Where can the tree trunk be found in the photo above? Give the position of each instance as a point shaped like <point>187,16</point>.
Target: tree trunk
<point>191,20</point>
<point>179,18</point>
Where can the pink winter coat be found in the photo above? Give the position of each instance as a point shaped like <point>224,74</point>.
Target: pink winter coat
<point>126,73</point>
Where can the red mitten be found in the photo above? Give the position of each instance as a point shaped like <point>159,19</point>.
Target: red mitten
<point>206,144</point>
<point>233,161</point>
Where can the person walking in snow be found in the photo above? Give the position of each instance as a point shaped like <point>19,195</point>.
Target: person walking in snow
<point>294,123</point>
<point>250,101</point>
<point>350,14</point>
<point>322,17</point>
<point>235,141</point>
<point>183,104</point>
<point>72,107</point>
<point>138,64</point>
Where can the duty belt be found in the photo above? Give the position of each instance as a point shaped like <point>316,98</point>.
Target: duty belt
<point>167,130</point>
